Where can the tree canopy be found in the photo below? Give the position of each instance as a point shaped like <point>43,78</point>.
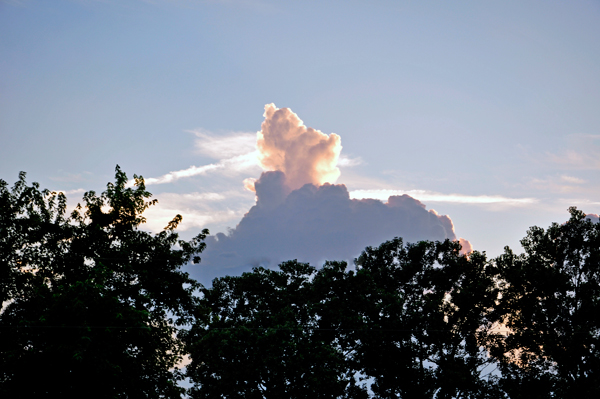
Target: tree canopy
<point>90,302</point>
<point>551,306</point>
<point>408,322</point>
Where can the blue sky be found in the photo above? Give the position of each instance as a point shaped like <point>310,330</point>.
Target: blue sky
<point>453,103</point>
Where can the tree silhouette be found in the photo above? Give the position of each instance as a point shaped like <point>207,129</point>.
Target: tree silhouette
<point>410,321</point>
<point>426,318</point>
<point>259,337</point>
<point>551,306</point>
<point>91,304</point>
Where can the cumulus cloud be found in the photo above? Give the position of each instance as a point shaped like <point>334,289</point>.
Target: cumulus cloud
<point>467,248</point>
<point>304,154</point>
<point>299,214</point>
<point>315,223</point>
<point>284,143</point>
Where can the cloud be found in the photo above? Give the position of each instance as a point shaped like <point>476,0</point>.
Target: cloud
<point>431,196</point>
<point>299,214</point>
<point>71,192</point>
<point>583,152</point>
<point>224,146</point>
<point>198,210</point>
<point>559,183</point>
<point>236,153</point>
<point>304,154</point>
<point>315,223</point>
<point>237,164</point>
<point>571,179</point>
<point>467,248</point>
<point>176,175</point>
<point>593,217</point>
<point>284,143</point>
<point>249,184</point>
<point>347,162</point>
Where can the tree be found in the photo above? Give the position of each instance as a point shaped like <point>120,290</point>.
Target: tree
<point>90,303</point>
<point>551,307</point>
<point>426,313</point>
<point>411,321</point>
<point>258,336</point>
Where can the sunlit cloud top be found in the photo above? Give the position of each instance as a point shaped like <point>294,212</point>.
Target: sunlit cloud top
<point>304,154</point>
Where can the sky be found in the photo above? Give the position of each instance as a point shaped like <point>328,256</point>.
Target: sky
<point>486,112</point>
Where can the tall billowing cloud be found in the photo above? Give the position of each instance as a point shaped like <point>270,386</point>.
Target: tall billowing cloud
<point>300,215</point>
<point>317,223</point>
<point>303,154</point>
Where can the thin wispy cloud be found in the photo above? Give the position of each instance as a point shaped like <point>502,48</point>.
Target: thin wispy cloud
<point>224,146</point>
<point>234,165</point>
<point>70,193</point>
<point>192,198</point>
<point>559,184</point>
<point>571,179</point>
<point>431,196</point>
<point>236,152</point>
<point>582,203</point>
<point>75,191</point>
<point>583,152</point>
<point>198,210</point>
<point>189,172</point>
<point>346,161</point>
<point>159,217</point>
<point>256,5</point>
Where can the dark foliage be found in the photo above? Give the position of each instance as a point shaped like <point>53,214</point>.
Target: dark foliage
<point>551,304</point>
<point>409,322</point>
<point>259,337</point>
<point>91,304</point>
<point>425,320</point>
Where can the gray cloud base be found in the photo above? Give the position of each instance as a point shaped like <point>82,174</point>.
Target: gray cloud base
<point>313,224</point>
